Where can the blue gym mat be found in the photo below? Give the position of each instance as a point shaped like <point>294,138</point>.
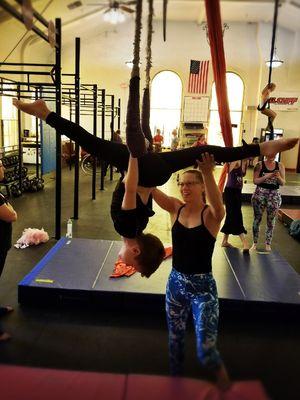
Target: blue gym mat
<point>79,270</point>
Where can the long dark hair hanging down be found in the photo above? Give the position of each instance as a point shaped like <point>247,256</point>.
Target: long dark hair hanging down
<point>134,134</point>
<point>146,97</point>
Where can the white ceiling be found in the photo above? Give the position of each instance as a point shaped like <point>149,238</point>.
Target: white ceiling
<point>182,10</point>
<point>194,10</point>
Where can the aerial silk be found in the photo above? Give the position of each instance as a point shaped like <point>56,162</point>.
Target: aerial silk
<point>146,97</point>
<point>215,35</point>
<point>134,135</point>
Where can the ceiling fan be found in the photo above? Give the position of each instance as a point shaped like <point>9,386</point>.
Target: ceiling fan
<point>115,6</point>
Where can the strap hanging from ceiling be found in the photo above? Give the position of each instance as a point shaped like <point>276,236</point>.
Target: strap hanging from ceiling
<point>276,6</point>
<point>146,97</point>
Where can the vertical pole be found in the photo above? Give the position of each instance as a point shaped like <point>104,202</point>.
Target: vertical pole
<point>37,169</point>
<point>20,153</point>
<point>119,113</point>
<point>70,141</point>
<point>103,136</point>
<point>58,137</point>
<point>112,128</point>
<point>95,109</point>
<point>77,118</point>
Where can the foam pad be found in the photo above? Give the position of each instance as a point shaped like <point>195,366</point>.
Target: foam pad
<point>48,384</point>
<point>152,387</point>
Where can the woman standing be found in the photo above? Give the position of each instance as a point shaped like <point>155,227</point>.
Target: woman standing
<point>233,202</point>
<point>268,176</point>
<point>191,286</point>
<point>7,216</point>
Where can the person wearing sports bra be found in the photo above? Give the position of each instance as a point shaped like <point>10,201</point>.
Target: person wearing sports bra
<point>191,285</point>
<point>268,176</point>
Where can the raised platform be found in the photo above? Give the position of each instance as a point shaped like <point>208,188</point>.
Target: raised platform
<point>287,216</point>
<point>289,194</point>
<point>78,271</point>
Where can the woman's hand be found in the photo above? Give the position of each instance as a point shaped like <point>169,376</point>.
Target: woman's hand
<point>207,164</point>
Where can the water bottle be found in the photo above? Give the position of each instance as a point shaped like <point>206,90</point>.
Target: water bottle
<point>69,229</point>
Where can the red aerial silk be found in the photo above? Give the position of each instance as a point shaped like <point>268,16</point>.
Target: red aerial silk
<point>215,34</point>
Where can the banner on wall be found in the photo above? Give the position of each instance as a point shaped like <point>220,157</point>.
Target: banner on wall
<point>285,101</point>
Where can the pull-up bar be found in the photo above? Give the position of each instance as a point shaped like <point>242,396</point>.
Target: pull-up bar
<point>11,10</point>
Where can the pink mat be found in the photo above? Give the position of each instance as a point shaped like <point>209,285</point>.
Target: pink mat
<point>24,383</point>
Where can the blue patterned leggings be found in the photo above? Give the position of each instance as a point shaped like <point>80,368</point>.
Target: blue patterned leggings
<point>198,293</point>
<point>265,199</point>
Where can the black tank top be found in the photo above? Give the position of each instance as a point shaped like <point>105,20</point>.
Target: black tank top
<point>192,247</point>
<point>270,183</point>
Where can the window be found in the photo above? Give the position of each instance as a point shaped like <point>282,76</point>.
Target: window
<point>9,122</point>
<point>235,91</point>
<point>166,92</point>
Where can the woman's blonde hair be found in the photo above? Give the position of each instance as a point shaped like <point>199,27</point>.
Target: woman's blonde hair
<point>196,173</point>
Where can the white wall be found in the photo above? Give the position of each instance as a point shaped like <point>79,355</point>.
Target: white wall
<point>104,52</point>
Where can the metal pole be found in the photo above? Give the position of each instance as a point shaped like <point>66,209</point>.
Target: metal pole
<point>119,113</point>
<point>112,129</point>
<point>58,137</point>
<point>103,136</point>
<point>70,141</point>
<point>37,170</point>
<point>77,120</point>
<point>20,143</point>
<point>95,88</point>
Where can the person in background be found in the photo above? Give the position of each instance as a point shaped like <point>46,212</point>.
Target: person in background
<point>117,136</point>
<point>7,216</point>
<point>158,141</point>
<point>253,161</point>
<point>233,224</point>
<point>191,286</point>
<point>174,140</point>
<point>201,141</point>
<point>268,175</point>
<point>263,106</point>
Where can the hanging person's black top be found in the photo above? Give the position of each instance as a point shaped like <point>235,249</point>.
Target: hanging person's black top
<point>129,223</point>
<point>192,247</point>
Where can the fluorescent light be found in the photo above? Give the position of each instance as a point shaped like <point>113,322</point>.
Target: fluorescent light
<point>130,64</point>
<point>275,63</point>
<point>114,16</point>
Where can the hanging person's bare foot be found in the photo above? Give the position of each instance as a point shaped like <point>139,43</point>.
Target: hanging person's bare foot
<point>38,108</point>
<point>268,247</point>
<point>276,146</point>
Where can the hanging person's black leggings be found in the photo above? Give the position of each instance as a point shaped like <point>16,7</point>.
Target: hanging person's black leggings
<point>154,168</point>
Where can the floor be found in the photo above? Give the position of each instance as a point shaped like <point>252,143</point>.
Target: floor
<point>253,346</point>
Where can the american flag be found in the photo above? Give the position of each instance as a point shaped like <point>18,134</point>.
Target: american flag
<point>198,76</point>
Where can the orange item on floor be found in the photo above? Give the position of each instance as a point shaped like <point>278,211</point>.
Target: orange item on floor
<point>122,269</point>
<point>168,252</point>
